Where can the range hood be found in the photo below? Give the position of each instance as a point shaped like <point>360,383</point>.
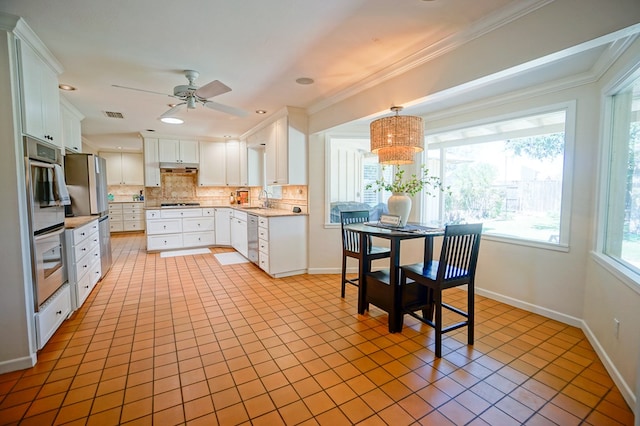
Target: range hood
<point>179,167</point>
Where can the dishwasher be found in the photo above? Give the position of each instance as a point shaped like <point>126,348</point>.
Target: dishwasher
<point>252,237</point>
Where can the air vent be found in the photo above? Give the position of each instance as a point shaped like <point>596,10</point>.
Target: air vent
<point>112,114</point>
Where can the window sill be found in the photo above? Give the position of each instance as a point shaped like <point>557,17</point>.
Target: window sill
<point>625,275</point>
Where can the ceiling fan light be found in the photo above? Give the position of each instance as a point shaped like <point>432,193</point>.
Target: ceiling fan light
<point>171,120</point>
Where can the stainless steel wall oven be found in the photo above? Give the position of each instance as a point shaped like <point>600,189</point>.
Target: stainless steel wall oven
<point>46,192</point>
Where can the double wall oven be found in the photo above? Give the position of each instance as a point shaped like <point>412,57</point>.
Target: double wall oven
<point>46,191</point>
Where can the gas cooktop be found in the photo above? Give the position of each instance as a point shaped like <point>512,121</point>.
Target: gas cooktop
<point>179,204</point>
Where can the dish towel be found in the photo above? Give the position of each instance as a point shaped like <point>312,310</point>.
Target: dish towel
<point>61,186</point>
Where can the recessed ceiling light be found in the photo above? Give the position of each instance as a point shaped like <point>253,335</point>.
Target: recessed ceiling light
<point>150,130</point>
<point>304,80</point>
<point>261,111</point>
<point>171,120</point>
<point>66,87</point>
<point>119,147</point>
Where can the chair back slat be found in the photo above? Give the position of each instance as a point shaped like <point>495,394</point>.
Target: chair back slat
<point>459,254</point>
<point>350,239</point>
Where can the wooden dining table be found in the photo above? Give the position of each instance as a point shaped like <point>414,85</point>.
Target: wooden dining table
<point>395,236</point>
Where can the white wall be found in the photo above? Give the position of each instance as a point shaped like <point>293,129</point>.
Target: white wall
<point>568,286</point>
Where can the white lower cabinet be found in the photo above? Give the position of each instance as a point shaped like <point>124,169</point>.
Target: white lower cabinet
<point>180,228</point>
<point>282,245</point>
<point>52,314</point>
<point>125,217</point>
<point>84,266</point>
<point>239,233</point>
<point>223,226</point>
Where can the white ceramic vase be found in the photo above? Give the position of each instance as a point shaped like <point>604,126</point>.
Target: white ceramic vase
<point>400,205</point>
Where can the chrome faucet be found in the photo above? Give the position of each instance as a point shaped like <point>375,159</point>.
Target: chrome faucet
<point>265,203</point>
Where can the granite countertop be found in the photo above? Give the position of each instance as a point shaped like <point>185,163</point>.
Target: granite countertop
<point>122,202</point>
<point>78,221</point>
<point>259,211</point>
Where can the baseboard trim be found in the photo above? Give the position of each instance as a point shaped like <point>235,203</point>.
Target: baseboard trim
<point>18,363</point>
<point>623,386</point>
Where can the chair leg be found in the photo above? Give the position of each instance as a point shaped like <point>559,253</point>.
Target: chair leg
<point>471,312</point>
<point>344,274</point>
<point>437,300</point>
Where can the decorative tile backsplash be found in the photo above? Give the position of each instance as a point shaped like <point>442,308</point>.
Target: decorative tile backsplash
<point>183,187</point>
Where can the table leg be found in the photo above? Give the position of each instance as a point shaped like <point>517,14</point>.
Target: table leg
<point>363,268</point>
<point>395,316</point>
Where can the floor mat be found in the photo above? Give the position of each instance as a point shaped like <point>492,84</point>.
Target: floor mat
<point>186,252</point>
<point>230,258</point>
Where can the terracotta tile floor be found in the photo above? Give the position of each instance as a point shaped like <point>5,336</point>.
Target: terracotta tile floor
<point>184,340</point>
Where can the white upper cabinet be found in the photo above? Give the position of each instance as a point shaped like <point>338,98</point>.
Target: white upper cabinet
<point>212,171</point>
<point>40,97</point>
<point>124,168</point>
<point>71,126</point>
<point>286,150</point>
<point>236,163</point>
<point>178,151</point>
<point>151,162</point>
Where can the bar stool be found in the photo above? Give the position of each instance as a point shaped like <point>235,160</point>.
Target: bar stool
<point>456,267</point>
<point>351,245</point>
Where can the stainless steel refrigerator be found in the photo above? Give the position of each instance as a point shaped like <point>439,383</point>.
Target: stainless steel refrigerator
<point>86,179</point>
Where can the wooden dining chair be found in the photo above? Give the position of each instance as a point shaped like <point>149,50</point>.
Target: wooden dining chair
<point>456,267</point>
<point>351,245</point>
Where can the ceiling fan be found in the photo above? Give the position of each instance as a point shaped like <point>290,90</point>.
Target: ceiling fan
<point>191,95</point>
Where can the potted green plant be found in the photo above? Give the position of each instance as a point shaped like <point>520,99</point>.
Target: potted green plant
<point>400,203</point>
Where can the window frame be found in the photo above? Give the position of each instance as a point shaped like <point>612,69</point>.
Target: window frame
<point>567,174</point>
<point>327,172</point>
<point>629,276</point>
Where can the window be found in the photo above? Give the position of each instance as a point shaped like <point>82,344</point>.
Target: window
<point>351,168</point>
<point>622,194</point>
<point>508,174</point>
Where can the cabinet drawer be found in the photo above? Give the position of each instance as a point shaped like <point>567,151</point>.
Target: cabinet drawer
<point>132,212</point>
<point>131,225</point>
<point>181,213</point>
<point>84,231</point>
<point>240,215</point>
<point>132,206</point>
<point>196,239</point>
<point>152,214</point>
<point>115,217</point>
<point>263,261</point>
<point>169,226</point>
<point>116,226</point>
<point>263,234</point>
<point>84,265</point>
<point>85,246</point>
<point>164,242</point>
<point>208,212</point>
<point>196,224</point>
<point>263,246</point>
<point>132,216</point>
<point>115,208</point>
<point>88,282</point>
<point>263,222</point>
<point>52,314</point>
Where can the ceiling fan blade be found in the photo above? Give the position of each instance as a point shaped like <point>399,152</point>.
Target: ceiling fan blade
<point>212,89</point>
<point>225,108</point>
<point>173,111</point>
<point>142,90</point>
